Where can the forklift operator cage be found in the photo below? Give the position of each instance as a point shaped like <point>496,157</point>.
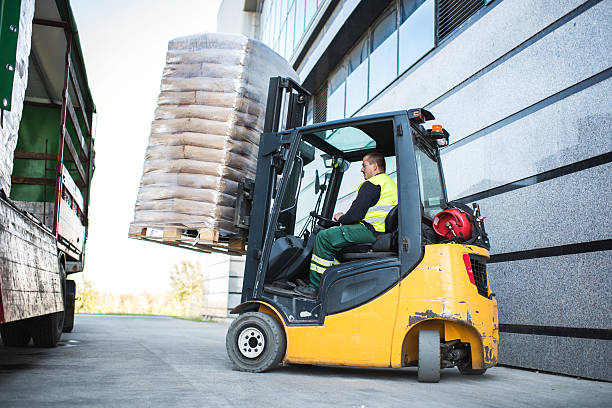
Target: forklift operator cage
<point>400,134</point>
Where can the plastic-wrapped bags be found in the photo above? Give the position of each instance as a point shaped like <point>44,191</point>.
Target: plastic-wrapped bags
<point>12,118</point>
<point>205,135</point>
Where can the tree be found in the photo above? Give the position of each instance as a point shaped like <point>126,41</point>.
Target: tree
<point>186,280</point>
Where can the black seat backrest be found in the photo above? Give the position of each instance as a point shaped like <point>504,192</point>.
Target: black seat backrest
<point>384,246</point>
<point>391,220</point>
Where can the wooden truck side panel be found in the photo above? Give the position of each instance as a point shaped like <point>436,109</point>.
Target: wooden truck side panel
<point>29,270</point>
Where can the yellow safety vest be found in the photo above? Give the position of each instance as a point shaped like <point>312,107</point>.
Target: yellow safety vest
<point>388,199</point>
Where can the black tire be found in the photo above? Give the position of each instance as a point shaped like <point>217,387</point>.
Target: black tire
<point>47,329</point>
<point>16,334</point>
<point>69,306</point>
<point>429,356</point>
<point>466,370</point>
<point>262,340</point>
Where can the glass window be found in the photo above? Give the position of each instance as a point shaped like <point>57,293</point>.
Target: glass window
<point>307,198</point>
<point>283,9</point>
<point>310,113</point>
<point>336,93</point>
<point>417,31</point>
<point>384,28</point>
<point>335,103</point>
<point>407,7</point>
<point>347,139</point>
<point>282,44</point>
<point>290,29</point>
<point>311,10</point>
<point>267,29</point>
<point>337,78</point>
<point>357,80</point>
<point>358,55</point>
<point>278,19</point>
<point>430,181</point>
<point>299,20</point>
<point>383,53</point>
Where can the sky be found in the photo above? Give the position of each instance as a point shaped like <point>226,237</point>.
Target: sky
<point>124,44</point>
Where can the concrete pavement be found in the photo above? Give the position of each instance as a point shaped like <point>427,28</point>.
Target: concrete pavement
<point>116,361</point>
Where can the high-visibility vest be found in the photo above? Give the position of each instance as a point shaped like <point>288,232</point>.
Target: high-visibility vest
<point>388,199</point>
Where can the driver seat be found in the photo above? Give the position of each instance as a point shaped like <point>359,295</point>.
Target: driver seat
<point>385,245</point>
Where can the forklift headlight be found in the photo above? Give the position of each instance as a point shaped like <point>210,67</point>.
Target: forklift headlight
<point>438,134</point>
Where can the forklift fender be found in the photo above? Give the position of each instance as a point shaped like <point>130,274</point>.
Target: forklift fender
<point>250,306</point>
<point>258,306</point>
<point>449,330</point>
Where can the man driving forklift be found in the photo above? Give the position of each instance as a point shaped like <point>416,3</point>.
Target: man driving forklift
<point>364,220</point>
<point>413,298</point>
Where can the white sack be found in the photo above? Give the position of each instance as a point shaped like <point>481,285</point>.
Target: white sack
<point>205,135</point>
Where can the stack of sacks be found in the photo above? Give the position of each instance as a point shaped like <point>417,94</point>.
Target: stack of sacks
<point>205,135</point>
<point>12,118</point>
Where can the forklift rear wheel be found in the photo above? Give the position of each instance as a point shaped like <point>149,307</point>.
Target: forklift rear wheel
<point>429,356</point>
<point>255,342</point>
<point>471,371</point>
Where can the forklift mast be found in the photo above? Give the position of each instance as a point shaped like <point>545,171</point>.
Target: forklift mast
<point>285,110</point>
<point>285,95</point>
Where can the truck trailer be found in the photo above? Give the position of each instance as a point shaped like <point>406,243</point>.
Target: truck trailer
<point>45,198</point>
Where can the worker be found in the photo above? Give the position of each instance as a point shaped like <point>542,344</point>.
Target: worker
<point>376,197</point>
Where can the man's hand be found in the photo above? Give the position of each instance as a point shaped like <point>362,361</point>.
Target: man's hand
<point>338,215</point>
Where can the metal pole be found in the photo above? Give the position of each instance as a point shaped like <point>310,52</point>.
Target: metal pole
<point>60,150</point>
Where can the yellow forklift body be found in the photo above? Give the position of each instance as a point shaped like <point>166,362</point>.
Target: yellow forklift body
<point>360,337</point>
<point>436,295</point>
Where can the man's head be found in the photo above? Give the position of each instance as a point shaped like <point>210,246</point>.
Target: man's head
<point>372,164</point>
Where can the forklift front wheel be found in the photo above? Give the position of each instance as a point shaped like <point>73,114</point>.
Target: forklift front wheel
<point>429,356</point>
<point>255,342</point>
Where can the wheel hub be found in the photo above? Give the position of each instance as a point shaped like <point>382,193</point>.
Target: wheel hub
<point>251,342</point>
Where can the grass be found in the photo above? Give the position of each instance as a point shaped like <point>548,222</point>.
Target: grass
<point>199,319</point>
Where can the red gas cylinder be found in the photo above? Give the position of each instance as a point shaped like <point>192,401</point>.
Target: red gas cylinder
<point>452,220</point>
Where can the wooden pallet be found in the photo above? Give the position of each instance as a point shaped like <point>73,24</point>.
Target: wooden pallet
<point>207,240</point>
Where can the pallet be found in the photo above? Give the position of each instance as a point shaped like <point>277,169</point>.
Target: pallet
<point>206,240</point>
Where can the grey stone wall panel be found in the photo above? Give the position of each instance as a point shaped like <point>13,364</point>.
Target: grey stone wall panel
<point>573,129</point>
<point>567,355</point>
<point>565,210</point>
<point>566,291</point>
<point>495,34</point>
<point>552,64</point>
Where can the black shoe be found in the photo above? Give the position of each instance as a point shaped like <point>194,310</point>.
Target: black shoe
<point>307,291</point>
<point>284,285</point>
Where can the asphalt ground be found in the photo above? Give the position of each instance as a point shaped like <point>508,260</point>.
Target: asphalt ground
<point>133,361</point>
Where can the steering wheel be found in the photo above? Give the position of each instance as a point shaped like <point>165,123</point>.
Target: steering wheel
<point>324,222</point>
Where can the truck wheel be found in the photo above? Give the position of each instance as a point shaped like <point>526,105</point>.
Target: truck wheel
<point>69,306</point>
<point>429,356</point>
<point>16,334</point>
<point>47,329</point>
<point>255,342</point>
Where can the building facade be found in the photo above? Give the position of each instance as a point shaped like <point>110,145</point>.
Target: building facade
<point>524,89</point>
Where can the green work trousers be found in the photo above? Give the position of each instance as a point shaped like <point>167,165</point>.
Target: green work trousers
<point>329,242</point>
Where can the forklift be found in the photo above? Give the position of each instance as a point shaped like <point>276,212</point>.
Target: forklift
<point>418,296</point>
